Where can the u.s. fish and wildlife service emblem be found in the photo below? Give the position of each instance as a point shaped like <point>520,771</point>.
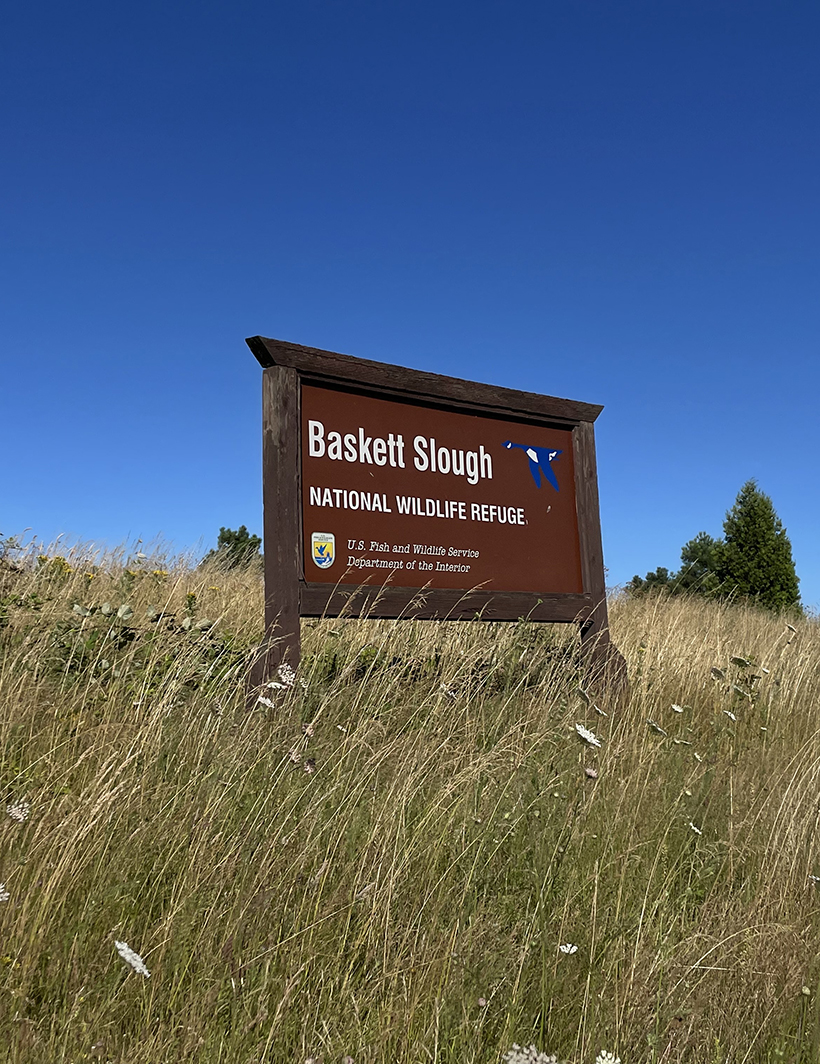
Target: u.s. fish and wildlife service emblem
<point>323,549</point>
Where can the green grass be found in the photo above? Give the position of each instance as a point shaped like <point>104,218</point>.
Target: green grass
<point>404,901</point>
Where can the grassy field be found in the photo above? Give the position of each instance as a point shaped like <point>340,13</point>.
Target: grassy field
<point>383,863</point>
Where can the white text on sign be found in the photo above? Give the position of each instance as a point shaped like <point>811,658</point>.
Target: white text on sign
<point>376,450</point>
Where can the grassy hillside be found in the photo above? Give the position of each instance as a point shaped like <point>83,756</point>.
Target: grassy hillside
<point>383,863</point>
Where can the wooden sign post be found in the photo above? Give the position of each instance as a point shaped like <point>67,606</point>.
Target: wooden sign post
<point>390,492</point>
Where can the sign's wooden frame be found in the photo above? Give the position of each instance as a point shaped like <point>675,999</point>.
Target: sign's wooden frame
<point>289,596</point>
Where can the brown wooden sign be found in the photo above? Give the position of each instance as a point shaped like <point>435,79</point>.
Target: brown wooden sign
<point>391,492</point>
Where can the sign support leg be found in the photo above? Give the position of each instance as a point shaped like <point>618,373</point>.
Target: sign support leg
<point>605,665</point>
<point>281,431</point>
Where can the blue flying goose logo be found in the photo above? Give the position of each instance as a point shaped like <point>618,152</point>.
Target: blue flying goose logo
<point>540,459</point>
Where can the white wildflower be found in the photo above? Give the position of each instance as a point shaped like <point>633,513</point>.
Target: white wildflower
<point>676,708</point>
<point>587,735</point>
<point>19,811</point>
<point>286,678</point>
<point>694,828</point>
<point>132,958</point>
<point>730,714</point>
<point>309,730</point>
<point>265,702</point>
<point>295,756</point>
<point>605,1057</point>
<point>4,894</point>
<point>591,773</point>
<point>568,947</point>
<point>530,1055</point>
<point>286,674</point>
<point>812,879</point>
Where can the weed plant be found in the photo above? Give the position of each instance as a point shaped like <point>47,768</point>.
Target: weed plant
<point>410,853</point>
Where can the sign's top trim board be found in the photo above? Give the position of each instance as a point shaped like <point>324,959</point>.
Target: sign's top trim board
<point>330,367</point>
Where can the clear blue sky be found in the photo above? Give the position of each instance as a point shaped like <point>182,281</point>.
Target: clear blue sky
<point>616,202</point>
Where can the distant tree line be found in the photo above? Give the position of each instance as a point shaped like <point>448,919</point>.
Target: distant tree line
<point>753,560</point>
<point>236,548</point>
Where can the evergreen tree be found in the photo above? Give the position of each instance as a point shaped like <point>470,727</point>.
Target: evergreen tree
<point>698,571</point>
<point>660,578</point>
<point>235,548</point>
<point>700,562</point>
<point>756,558</point>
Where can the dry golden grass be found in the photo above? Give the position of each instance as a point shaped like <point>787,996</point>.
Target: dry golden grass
<point>395,886</point>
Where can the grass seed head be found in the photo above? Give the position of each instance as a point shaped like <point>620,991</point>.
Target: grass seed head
<point>132,958</point>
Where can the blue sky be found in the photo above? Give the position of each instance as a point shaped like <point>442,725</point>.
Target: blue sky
<point>615,202</point>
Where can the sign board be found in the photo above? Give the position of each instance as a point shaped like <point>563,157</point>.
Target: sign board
<point>392,492</point>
